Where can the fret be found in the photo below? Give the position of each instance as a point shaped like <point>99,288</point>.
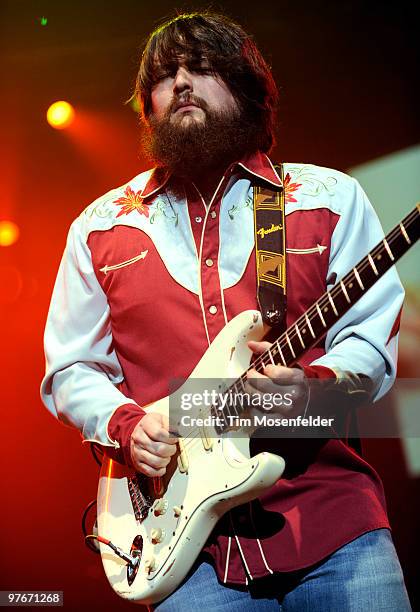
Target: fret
<point>234,403</point>
<point>388,249</point>
<point>359,280</point>
<point>281,354</point>
<point>372,263</point>
<point>271,357</point>
<point>309,325</point>
<point>299,336</point>
<point>290,346</point>
<point>332,304</point>
<point>241,383</point>
<point>320,315</point>
<point>343,287</point>
<point>404,233</point>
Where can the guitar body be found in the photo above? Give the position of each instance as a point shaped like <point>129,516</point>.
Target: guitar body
<point>166,522</point>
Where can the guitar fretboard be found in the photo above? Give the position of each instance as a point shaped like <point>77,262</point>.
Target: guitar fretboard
<point>310,328</point>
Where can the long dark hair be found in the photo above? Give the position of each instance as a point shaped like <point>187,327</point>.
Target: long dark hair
<point>229,51</point>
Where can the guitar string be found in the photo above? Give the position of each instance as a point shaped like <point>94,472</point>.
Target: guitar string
<point>396,232</point>
<point>335,292</point>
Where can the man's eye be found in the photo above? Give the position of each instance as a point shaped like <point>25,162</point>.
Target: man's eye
<point>161,75</point>
<point>201,69</point>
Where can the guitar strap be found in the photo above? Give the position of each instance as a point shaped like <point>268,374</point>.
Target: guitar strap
<point>270,253</point>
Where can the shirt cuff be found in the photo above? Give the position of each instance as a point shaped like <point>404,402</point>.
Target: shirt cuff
<point>120,427</point>
<point>318,371</point>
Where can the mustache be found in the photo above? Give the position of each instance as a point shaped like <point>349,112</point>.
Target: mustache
<point>183,100</point>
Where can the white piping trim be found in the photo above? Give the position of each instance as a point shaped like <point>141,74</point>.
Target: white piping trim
<point>274,170</point>
<point>189,221</point>
<point>202,199</point>
<point>243,557</point>
<point>259,175</point>
<point>258,540</point>
<point>157,188</point>
<point>200,291</point>
<point>240,549</point>
<point>217,189</point>
<point>318,249</point>
<point>123,264</point>
<point>218,272</point>
<point>227,559</point>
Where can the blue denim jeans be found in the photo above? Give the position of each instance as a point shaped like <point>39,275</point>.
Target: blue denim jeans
<point>362,576</point>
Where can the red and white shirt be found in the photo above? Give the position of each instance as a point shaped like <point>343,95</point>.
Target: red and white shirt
<point>150,275</point>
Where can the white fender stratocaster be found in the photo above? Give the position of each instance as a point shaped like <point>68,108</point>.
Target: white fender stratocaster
<point>152,530</point>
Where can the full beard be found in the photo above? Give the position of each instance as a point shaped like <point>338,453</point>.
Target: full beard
<point>191,148</point>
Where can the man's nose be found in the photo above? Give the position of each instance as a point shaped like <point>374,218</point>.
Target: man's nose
<point>182,81</point>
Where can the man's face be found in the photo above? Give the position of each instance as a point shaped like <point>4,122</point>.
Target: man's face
<point>195,124</point>
<point>183,93</point>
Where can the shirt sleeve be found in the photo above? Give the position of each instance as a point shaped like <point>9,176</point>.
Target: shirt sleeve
<point>80,386</point>
<point>364,341</point>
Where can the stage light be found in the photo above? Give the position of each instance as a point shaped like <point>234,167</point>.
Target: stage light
<point>60,115</point>
<point>9,233</point>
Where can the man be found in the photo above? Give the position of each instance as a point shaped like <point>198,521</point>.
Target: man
<point>153,271</point>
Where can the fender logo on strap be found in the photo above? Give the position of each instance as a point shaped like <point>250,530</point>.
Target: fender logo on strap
<point>274,228</point>
<point>123,264</point>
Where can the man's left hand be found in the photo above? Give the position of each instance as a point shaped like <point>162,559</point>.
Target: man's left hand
<point>277,379</point>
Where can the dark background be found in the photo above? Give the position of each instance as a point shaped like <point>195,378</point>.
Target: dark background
<point>348,73</point>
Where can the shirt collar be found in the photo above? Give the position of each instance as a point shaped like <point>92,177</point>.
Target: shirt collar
<point>257,164</point>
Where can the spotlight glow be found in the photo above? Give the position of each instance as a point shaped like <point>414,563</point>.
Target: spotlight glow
<point>9,233</point>
<point>60,115</point>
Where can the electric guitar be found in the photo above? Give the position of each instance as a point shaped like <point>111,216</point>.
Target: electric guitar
<point>151,530</point>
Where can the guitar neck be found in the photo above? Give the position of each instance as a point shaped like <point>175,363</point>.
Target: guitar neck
<point>310,328</point>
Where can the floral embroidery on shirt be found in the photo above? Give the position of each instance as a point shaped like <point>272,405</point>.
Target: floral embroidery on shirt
<point>161,209</point>
<point>290,188</point>
<point>310,183</point>
<point>131,201</point>
<point>235,207</point>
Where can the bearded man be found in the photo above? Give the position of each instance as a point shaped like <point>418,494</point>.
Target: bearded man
<point>154,270</point>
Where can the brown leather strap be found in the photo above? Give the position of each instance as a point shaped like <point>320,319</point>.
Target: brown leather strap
<point>270,252</point>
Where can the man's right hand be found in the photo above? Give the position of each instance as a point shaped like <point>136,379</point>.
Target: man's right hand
<point>151,445</point>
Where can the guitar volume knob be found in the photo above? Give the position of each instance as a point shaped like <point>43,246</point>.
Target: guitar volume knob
<point>160,507</point>
<point>157,535</point>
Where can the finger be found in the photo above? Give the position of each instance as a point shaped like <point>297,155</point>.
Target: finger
<point>260,384</point>
<point>157,430</point>
<point>143,456</point>
<point>258,347</point>
<point>282,375</point>
<point>149,471</point>
<point>162,449</point>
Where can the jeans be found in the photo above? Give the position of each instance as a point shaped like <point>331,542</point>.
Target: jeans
<point>362,576</point>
